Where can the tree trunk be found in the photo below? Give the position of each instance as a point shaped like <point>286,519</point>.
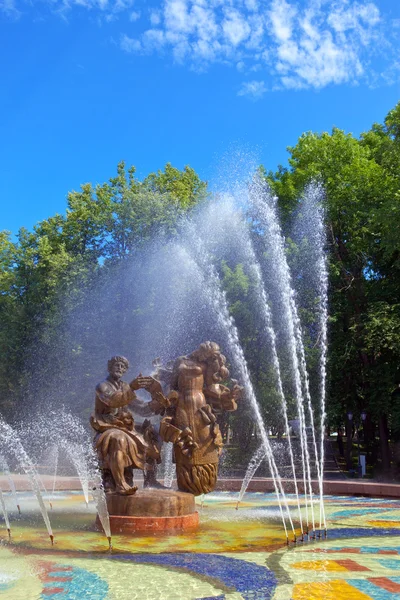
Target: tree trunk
<point>349,445</point>
<point>368,433</point>
<point>384,442</point>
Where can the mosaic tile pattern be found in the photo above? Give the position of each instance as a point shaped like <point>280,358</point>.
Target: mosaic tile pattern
<point>251,580</point>
<point>235,555</point>
<point>60,582</point>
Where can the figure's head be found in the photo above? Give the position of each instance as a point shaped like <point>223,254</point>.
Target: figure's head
<point>217,370</point>
<point>206,351</point>
<point>117,365</point>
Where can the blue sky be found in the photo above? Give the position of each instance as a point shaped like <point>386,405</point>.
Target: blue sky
<point>86,83</point>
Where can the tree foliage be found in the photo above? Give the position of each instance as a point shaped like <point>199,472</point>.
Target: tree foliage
<point>361,179</point>
<point>66,254</point>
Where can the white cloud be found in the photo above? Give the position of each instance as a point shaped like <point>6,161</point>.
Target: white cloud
<point>253,89</point>
<point>251,5</point>
<point>281,17</point>
<point>300,43</point>
<point>354,16</point>
<point>235,27</point>
<point>9,7</point>
<point>134,16</point>
<point>108,10</point>
<point>296,43</point>
<point>155,17</point>
<point>130,44</point>
<point>153,39</point>
<point>176,16</point>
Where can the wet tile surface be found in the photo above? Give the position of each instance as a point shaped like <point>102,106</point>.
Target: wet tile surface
<point>235,554</point>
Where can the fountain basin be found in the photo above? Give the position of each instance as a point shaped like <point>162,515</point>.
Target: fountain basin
<point>234,554</point>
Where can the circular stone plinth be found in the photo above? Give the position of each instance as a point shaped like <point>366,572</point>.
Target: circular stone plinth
<point>151,510</point>
<point>151,503</point>
<point>132,525</point>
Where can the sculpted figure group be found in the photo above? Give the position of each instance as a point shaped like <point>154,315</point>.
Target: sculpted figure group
<point>188,394</point>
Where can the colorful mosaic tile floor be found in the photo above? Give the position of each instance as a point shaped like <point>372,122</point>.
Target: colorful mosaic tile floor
<point>234,555</point>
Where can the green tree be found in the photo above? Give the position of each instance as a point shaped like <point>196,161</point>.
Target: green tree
<point>361,179</point>
<point>49,272</point>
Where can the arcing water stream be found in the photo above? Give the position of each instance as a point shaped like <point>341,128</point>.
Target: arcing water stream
<point>9,439</point>
<point>265,213</point>
<point>311,230</point>
<point>243,230</point>
<point>216,297</point>
<point>6,469</point>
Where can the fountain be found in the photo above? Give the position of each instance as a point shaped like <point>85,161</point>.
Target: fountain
<point>242,544</point>
<point>189,423</point>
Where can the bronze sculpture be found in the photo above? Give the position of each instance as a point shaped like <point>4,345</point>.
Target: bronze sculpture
<point>120,446</point>
<point>195,396</point>
<point>190,423</point>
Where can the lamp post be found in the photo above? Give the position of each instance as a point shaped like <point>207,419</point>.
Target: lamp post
<point>363,419</point>
<point>349,441</point>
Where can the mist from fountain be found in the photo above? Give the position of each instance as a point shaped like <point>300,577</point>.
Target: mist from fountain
<point>182,278</point>
<point>6,470</point>
<point>217,299</point>
<point>169,467</point>
<point>309,232</point>
<point>253,465</point>
<point>265,213</point>
<point>81,467</point>
<point>234,224</point>
<point>70,435</point>
<point>50,433</point>
<point>5,513</point>
<point>55,454</point>
<point>9,440</point>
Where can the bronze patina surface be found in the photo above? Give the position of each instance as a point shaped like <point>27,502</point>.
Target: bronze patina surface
<point>121,446</point>
<point>196,396</point>
<point>192,397</point>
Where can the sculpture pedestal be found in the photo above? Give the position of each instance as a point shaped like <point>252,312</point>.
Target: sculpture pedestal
<point>151,511</point>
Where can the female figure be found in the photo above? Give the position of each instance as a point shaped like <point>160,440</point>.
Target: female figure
<point>190,423</point>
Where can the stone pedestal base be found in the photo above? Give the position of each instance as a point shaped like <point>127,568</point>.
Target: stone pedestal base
<point>151,510</point>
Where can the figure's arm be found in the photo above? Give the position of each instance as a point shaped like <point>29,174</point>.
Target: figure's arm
<point>144,409</point>
<point>181,437</point>
<point>114,399</point>
<point>223,398</point>
<point>216,391</point>
<point>158,401</point>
